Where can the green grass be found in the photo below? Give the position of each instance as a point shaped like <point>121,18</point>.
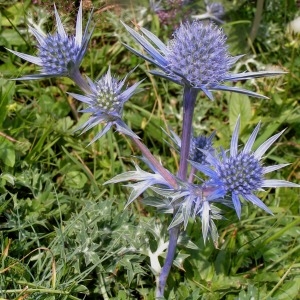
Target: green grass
<point>65,235</point>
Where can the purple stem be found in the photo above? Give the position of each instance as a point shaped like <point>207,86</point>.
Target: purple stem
<point>160,169</point>
<point>189,100</point>
<point>173,234</point>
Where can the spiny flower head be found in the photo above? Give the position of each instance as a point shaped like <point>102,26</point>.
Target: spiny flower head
<point>198,144</point>
<point>105,103</point>
<point>59,54</point>
<point>241,174</point>
<point>199,54</point>
<point>108,95</point>
<point>196,57</point>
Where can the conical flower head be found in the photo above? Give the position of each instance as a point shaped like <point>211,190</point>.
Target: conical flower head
<point>108,95</point>
<point>199,53</point>
<point>105,103</point>
<point>242,174</point>
<point>59,54</point>
<point>198,146</point>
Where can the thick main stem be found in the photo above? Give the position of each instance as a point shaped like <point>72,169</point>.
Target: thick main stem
<point>189,100</point>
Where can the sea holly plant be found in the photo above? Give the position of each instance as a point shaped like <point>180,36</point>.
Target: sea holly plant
<point>196,58</point>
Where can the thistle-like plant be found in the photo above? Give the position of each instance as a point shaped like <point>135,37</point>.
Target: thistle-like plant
<point>242,174</point>
<point>197,58</point>
<point>105,103</point>
<point>59,54</point>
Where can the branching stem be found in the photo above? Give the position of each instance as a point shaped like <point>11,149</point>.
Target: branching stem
<point>160,169</point>
<point>189,100</point>
<point>80,81</point>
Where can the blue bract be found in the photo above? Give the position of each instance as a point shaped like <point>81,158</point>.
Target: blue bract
<point>59,54</point>
<point>105,103</point>
<point>241,174</point>
<point>196,57</point>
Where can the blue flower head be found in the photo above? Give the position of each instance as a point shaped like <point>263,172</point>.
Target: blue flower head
<point>199,54</point>
<point>105,103</point>
<point>198,144</point>
<point>241,174</point>
<point>59,54</point>
<point>215,9</point>
<point>197,57</point>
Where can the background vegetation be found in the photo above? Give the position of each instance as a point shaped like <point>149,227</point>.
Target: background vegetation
<point>65,235</point>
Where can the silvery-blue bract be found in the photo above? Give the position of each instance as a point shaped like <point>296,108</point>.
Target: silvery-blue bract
<point>143,180</point>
